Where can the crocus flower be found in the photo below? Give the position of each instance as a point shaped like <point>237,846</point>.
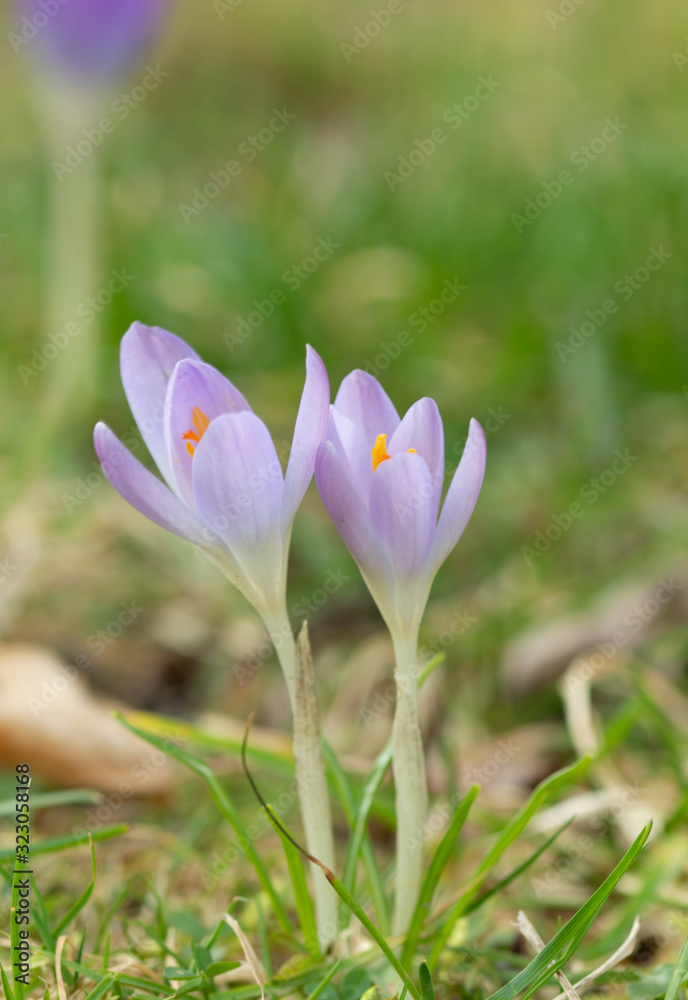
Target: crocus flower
<point>380,478</point>
<point>222,486</point>
<point>381,481</point>
<point>89,41</point>
<point>222,489</point>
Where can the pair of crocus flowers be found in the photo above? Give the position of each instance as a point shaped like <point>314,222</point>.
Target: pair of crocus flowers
<point>379,476</point>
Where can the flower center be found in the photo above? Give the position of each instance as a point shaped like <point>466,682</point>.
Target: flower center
<point>200,422</point>
<point>379,452</point>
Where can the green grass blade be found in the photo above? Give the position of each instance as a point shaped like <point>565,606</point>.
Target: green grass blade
<point>361,820</point>
<point>102,987</point>
<point>433,874</point>
<point>518,871</point>
<point>679,974</point>
<point>426,988</point>
<point>9,992</point>
<point>70,840</point>
<point>370,865</point>
<point>162,725</point>
<point>329,975</point>
<point>78,904</point>
<point>504,840</point>
<point>44,800</point>
<point>226,807</point>
<point>554,956</point>
<point>518,823</point>
<point>302,897</point>
<point>39,915</point>
<point>379,940</point>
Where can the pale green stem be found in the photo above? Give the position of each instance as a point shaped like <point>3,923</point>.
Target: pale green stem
<point>408,766</point>
<point>310,767</point>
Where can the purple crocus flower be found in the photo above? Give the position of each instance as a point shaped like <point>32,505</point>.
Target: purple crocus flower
<point>90,41</point>
<point>223,486</point>
<point>380,478</point>
<point>225,492</point>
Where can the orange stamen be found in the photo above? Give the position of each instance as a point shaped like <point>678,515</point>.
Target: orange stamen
<point>200,422</point>
<point>380,450</point>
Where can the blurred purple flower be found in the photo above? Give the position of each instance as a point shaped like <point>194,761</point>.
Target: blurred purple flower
<point>225,488</point>
<point>381,480</point>
<point>90,41</point>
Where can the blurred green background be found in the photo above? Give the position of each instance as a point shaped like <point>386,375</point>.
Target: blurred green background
<point>554,422</point>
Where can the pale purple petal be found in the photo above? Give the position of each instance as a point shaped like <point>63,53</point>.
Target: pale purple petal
<point>421,429</point>
<point>90,40</point>
<point>362,399</point>
<point>238,488</point>
<point>403,510</point>
<point>146,492</point>
<point>349,514</point>
<point>309,431</point>
<point>194,384</point>
<point>353,451</point>
<point>148,355</point>
<point>462,495</point>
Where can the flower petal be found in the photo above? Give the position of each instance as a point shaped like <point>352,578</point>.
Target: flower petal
<point>147,493</point>
<point>353,451</point>
<point>194,385</point>
<point>351,519</point>
<point>309,431</point>
<point>421,429</point>
<point>148,355</point>
<point>462,495</point>
<point>238,488</point>
<point>403,509</point>
<point>362,399</point>
<point>93,41</point>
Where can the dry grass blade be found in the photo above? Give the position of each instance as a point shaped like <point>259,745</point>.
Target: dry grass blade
<point>622,952</point>
<point>252,959</point>
<point>61,991</point>
<point>536,942</point>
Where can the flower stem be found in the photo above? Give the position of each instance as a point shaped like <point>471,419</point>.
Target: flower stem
<point>408,765</point>
<point>297,666</point>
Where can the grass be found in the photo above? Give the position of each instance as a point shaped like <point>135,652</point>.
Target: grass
<point>166,871</point>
